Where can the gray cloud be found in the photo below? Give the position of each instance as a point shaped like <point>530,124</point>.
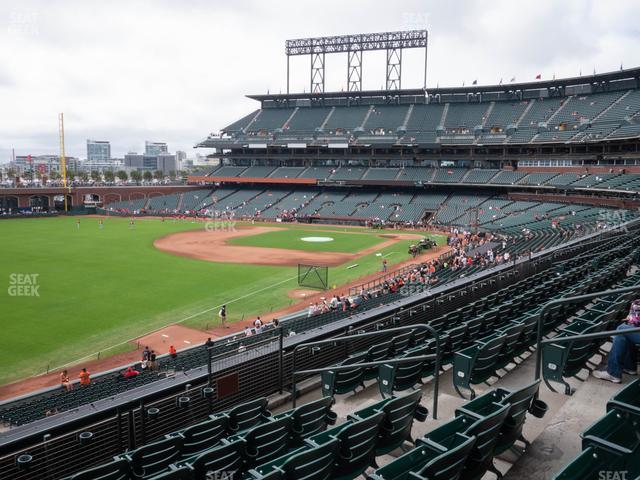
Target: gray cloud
<point>175,71</point>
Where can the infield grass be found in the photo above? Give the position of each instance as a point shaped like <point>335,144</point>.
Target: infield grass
<point>292,239</point>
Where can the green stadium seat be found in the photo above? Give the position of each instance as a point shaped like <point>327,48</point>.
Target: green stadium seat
<point>376,353</point>
<point>595,463</point>
<point>477,363</point>
<point>309,419</point>
<point>618,431</point>
<point>520,402</point>
<point>432,459</point>
<point>154,458</point>
<point>564,360</point>
<point>311,463</point>
<point>176,473</point>
<point>205,435</point>
<point>513,331</point>
<point>267,441</point>
<point>248,415</point>
<point>627,399</point>
<point>228,458</point>
<point>117,469</point>
<point>399,377</point>
<point>399,413</point>
<point>340,382</point>
<point>357,445</point>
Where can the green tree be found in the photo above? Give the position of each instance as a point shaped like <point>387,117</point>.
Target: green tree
<point>28,175</point>
<point>158,174</point>
<point>172,175</point>
<point>11,173</point>
<point>84,176</point>
<point>122,175</point>
<point>147,175</point>
<point>136,176</point>
<point>109,176</point>
<point>55,175</point>
<point>95,176</point>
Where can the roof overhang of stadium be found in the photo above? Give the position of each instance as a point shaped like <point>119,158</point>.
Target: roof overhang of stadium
<point>559,84</point>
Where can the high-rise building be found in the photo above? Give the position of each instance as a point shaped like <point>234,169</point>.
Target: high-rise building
<point>166,162</point>
<point>155,148</point>
<point>133,160</point>
<point>98,151</point>
<point>181,157</point>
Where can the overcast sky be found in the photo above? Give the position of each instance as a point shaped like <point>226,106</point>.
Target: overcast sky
<point>130,71</point>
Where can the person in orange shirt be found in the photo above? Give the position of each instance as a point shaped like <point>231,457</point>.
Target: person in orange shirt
<point>85,377</point>
<point>173,352</point>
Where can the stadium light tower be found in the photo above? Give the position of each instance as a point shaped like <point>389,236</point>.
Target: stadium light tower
<point>354,46</point>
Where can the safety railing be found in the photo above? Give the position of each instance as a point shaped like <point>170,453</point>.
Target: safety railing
<point>578,298</point>
<point>338,340</point>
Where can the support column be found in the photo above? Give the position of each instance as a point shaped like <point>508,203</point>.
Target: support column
<point>317,73</point>
<point>394,68</point>
<point>354,71</point>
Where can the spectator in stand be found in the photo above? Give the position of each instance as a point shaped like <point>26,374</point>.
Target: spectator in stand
<point>85,378</point>
<point>173,352</point>
<point>258,325</point>
<point>65,382</point>
<point>209,343</point>
<point>152,360</point>
<point>623,355</point>
<point>146,353</point>
<point>130,372</point>
<point>247,331</point>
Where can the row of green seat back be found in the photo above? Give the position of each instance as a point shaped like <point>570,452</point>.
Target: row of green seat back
<point>338,382</point>
<point>346,451</point>
<point>480,362</point>
<point>343,452</point>
<point>566,360</point>
<point>464,448</point>
<point>157,456</point>
<point>612,443</point>
<point>235,433</point>
<point>460,333</point>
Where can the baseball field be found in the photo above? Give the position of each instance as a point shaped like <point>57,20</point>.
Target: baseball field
<point>74,287</point>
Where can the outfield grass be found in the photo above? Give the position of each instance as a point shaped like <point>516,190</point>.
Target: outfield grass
<point>99,288</point>
<point>346,242</point>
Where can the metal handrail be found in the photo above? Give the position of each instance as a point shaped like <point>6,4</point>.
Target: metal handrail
<point>547,306</point>
<point>591,336</point>
<point>346,339</point>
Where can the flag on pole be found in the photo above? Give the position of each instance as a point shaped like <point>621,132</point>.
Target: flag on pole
<point>500,82</point>
<point>513,79</point>
<point>539,76</point>
<point>475,82</point>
